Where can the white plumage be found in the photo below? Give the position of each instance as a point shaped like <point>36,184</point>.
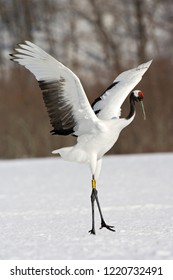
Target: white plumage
<point>112,100</point>
<point>97,127</point>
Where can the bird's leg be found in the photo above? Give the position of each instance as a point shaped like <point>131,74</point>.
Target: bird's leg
<point>92,231</point>
<point>94,196</point>
<point>103,224</point>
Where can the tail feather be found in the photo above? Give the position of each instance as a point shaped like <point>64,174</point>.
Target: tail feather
<point>72,154</point>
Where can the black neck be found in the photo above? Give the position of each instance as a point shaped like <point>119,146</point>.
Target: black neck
<point>132,107</point>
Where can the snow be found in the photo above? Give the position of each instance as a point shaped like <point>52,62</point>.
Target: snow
<point>45,209</point>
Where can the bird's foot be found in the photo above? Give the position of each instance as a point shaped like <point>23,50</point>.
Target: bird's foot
<point>92,231</point>
<point>103,224</point>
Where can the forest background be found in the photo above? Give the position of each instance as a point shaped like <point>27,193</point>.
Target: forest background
<point>96,39</point>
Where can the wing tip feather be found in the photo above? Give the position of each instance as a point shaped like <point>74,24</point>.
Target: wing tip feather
<point>145,65</point>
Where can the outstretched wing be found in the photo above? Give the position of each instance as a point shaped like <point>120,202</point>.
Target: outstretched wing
<point>63,94</point>
<point>108,105</point>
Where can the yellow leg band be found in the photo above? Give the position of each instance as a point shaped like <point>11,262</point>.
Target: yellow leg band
<point>93,184</point>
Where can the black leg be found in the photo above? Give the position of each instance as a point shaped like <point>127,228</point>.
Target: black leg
<point>94,196</point>
<point>103,224</point>
<point>92,231</point>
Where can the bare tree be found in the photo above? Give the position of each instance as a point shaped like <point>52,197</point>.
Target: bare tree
<point>97,39</point>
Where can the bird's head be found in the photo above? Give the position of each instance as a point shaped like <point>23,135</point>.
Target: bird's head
<point>138,96</point>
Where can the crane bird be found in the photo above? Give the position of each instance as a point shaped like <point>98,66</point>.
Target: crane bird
<point>97,126</point>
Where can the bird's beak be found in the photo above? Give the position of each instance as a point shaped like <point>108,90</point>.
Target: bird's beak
<point>143,110</point>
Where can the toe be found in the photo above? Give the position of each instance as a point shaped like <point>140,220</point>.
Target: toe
<point>92,231</point>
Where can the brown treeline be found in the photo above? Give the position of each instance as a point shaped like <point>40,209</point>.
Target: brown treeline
<point>98,40</point>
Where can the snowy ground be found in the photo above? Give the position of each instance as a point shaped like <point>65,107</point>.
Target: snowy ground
<point>45,209</point>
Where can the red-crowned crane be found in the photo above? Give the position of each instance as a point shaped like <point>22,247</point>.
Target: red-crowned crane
<point>97,126</point>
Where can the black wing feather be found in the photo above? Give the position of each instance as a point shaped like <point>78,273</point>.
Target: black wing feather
<point>101,96</point>
<point>60,112</point>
